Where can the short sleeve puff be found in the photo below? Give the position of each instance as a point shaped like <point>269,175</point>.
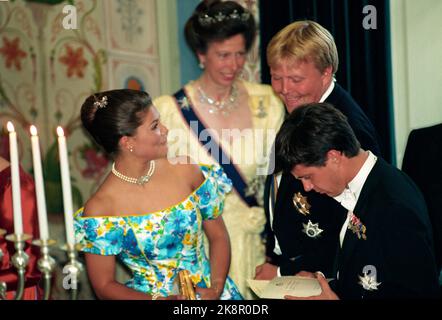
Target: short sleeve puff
<point>99,235</point>
<point>212,192</point>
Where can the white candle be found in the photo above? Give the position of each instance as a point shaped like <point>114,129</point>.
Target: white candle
<point>66,187</point>
<point>15,179</point>
<point>39,185</point>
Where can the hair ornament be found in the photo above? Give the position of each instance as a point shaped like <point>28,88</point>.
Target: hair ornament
<point>207,20</point>
<point>101,103</point>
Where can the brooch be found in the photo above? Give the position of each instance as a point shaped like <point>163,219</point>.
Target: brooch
<point>356,226</point>
<point>312,229</point>
<point>369,282</point>
<point>301,203</point>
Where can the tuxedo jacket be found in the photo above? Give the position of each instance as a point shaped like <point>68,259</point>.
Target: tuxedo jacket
<point>398,246</point>
<point>423,163</point>
<point>299,251</point>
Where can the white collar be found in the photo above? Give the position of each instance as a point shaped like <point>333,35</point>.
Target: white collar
<point>349,197</point>
<point>328,91</point>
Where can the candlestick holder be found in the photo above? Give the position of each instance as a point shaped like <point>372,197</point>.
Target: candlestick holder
<point>19,260</point>
<point>2,284</point>
<point>73,269</point>
<point>46,264</point>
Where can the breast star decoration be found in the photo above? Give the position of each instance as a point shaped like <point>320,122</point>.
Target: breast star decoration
<point>184,102</point>
<point>301,204</point>
<point>312,230</point>
<point>368,282</point>
<point>357,227</point>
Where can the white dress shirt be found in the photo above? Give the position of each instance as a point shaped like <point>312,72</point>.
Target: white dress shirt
<point>328,91</point>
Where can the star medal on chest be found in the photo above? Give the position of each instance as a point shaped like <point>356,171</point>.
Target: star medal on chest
<point>301,204</point>
<point>312,230</point>
<point>357,227</point>
<point>368,282</point>
<point>184,102</point>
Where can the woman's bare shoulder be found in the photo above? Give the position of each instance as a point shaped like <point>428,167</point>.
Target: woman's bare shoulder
<point>186,168</point>
<point>100,204</point>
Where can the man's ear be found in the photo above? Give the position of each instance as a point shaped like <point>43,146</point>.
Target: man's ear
<point>328,71</point>
<point>334,156</point>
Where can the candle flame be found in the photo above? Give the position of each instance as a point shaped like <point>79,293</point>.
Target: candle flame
<point>60,131</point>
<point>10,126</point>
<point>33,130</point>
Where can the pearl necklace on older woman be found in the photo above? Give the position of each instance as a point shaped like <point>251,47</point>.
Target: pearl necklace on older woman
<point>141,180</point>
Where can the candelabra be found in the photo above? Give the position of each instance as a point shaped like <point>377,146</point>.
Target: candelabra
<point>46,264</point>
<point>19,260</point>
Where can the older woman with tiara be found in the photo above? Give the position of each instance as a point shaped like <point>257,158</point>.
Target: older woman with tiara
<point>149,213</point>
<point>220,118</point>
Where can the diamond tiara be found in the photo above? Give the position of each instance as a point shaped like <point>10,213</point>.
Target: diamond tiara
<point>101,103</point>
<point>207,20</point>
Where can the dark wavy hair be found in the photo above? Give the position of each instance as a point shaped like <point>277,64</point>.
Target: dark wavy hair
<point>310,132</point>
<point>121,116</point>
<point>199,36</point>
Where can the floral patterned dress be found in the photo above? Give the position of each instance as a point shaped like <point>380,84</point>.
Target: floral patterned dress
<point>157,245</point>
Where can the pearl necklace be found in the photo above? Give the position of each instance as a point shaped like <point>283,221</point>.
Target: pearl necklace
<point>225,106</point>
<point>141,180</point>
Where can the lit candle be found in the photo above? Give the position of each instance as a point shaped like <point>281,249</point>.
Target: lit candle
<point>66,187</point>
<point>39,185</point>
<point>15,179</point>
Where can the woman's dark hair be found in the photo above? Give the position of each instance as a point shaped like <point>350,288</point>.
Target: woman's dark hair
<point>215,20</point>
<point>309,133</point>
<point>110,115</point>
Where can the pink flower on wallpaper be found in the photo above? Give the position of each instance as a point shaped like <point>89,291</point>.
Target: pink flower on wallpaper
<point>96,163</point>
<point>75,61</point>
<point>12,53</point>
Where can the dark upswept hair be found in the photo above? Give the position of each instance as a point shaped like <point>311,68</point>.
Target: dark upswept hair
<point>121,116</point>
<point>310,132</point>
<point>198,36</point>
